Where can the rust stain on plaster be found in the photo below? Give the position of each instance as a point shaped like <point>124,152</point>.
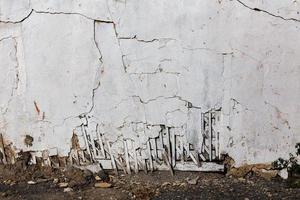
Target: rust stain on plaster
<point>279,116</point>
<point>37,107</point>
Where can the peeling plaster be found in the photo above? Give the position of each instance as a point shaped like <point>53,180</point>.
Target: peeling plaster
<point>123,68</point>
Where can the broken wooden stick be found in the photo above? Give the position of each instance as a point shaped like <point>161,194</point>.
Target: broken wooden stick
<point>166,159</point>
<point>113,162</point>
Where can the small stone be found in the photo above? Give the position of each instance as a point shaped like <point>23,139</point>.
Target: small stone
<point>31,183</point>
<point>68,189</point>
<point>63,185</point>
<point>55,180</point>
<point>97,178</point>
<point>242,179</point>
<point>42,180</point>
<point>165,184</point>
<point>12,183</point>
<point>193,181</point>
<point>103,185</point>
<point>246,198</point>
<point>283,174</point>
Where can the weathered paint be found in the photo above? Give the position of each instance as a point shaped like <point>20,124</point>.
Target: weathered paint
<point>120,66</point>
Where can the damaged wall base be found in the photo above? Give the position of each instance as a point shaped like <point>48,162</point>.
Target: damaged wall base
<point>170,150</point>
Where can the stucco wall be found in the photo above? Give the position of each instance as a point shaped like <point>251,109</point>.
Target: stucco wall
<point>118,64</point>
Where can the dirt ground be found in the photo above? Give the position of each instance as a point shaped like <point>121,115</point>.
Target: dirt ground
<point>47,183</point>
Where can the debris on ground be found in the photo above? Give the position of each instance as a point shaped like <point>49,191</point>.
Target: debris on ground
<point>97,178</point>
<point>192,181</point>
<point>262,170</point>
<point>102,185</point>
<point>68,189</point>
<point>284,174</point>
<point>31,182</point>
<point>36,182</point>
<point>63,185</point>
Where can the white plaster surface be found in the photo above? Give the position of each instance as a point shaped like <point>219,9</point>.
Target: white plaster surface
<point>123,66</point>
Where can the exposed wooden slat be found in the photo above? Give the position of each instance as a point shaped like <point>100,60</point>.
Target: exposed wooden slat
<point>127,157</point>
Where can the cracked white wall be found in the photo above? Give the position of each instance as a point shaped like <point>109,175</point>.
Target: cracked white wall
<point>123,64</point>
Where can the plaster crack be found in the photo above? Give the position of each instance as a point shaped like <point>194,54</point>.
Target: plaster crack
<point>139,40</point>
<point>98,82</point>
<point>188,103</point>
<point>146,101</point>
<point>157,71</point>
<point>6,38</point>
<point>71,13</point>
<point>18,21</point>
<point>267,12</point>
